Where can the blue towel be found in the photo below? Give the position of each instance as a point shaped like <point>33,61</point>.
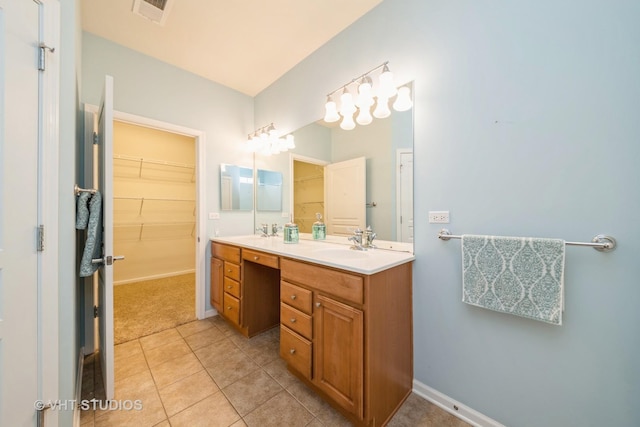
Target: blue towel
<point>516,275</point>
<point>93,245</point>
<point>82,209</point>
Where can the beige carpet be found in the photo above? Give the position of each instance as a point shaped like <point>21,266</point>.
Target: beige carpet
<point>144,308</point>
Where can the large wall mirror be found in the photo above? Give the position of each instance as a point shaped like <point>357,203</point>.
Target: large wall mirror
<point>367,171</point>
<point>236,188</point>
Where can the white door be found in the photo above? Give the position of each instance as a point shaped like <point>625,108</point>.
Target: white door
<point>345,196</point>
<point>105,273</point>
<point>405,206</point>
<point>19,371</point>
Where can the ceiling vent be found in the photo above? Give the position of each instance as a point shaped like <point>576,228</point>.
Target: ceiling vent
<point>153,10</point>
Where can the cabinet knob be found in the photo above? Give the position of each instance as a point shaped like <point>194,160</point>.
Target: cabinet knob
<point>229,270</point>
<point>229,287</point>
<point>256,257</point>
<point>228,307</point>
<point>293,320</point>
<point>292,351</point>
<point>318,304</point>
<point>293,297</point>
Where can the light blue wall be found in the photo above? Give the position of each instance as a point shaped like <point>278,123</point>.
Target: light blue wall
<point>149,88</point>
<point>526,123</point>
<point>71,127</point>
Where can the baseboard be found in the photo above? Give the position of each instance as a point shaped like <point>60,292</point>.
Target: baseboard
<point>79,373</point>
<point>154,277</point>
<point>210,313</point>
<point>455,408</point>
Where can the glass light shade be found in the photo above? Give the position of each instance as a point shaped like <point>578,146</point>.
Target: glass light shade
<point>387,86</point>
<point>331,112</point>
<point>364,116</point>
<point>347,122</point>
<point>365,95</point>
<point>403,101</point>
<point>273,133</point>
<point>382,108</point>
<point>347,106</point>
<point>290,142</point>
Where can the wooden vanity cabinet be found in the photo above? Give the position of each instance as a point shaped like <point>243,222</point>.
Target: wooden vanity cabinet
<point>361,351</point>
<point>228,284</point>
<point>245,287</point>
<point>217,283</point>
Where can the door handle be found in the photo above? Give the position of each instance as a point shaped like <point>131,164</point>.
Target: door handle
<point>107,260</point>
<point>40,408</point>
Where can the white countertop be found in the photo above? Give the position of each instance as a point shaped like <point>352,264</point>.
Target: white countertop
<point>331,254</point>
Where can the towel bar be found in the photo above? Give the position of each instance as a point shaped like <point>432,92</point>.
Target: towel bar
<point>77,190</point>
<point>601,242</point>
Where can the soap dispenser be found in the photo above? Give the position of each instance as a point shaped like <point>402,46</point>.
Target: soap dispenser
<point>291,234</point>
<point>319,229</point>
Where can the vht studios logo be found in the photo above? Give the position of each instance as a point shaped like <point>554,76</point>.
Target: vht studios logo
<point>85,405</point>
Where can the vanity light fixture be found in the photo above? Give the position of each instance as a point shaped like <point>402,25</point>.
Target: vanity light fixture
<point>267,141</point>
<point>366,96</point>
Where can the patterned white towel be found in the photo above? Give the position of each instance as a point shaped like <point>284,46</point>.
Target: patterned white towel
<point>516,275</point>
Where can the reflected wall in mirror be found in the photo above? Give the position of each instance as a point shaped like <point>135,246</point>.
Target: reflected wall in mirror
<point>387,146</point>
<point>269,191</point>
<point>236,188</point>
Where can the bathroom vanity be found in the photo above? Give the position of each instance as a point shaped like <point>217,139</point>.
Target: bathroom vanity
<point>345,316</point>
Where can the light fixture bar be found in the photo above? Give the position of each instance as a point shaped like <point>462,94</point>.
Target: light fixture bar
<point>359,77</point>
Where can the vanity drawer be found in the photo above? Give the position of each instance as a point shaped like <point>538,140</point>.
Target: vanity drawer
<point>296,296</point>
<point>260,258</point>
<point>232,271</point>
<point>226,252</point>
<point>295,320</point>
<point>232,287</point>
<point>231,308</point>
<point>296,351</point>
<point>338,283</point>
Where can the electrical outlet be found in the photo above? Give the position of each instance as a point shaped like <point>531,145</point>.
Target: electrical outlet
<point>214,215</point>
<point>439,217</point>
<point>285,215</point>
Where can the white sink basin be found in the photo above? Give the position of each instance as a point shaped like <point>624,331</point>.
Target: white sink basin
<point>340,253</point>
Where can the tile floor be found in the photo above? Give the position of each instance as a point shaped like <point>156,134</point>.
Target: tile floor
<point>204,373</point>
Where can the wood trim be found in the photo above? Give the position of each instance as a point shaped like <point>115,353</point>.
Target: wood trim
<point>389,339</point>
<point>260,258</point>
<point>296,296</point>
<point>334,282</point>
<point>296,320</point>
<point>226,252</point>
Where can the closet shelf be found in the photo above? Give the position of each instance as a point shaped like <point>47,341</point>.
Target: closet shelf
<point>142,161</point>
<point>153,224</point>
<point>152,199</point>
<point>309,178</point>
<point>159,230</point>
<point>155,199</point>
<point>153,169</point>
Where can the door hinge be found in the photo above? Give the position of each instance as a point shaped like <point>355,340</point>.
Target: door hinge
<point>95,312</point>
<point>42,55</point>
<point>95,138</point>
<point>40,247</point>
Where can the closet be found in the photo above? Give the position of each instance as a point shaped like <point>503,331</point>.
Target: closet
<point>154,199</point>
<point>308,194</point>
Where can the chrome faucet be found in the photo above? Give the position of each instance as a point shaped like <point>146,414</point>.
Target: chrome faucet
<point>357,240</point>
<point>264,230</point>
<point>368,237</point>
<point>274,229</point>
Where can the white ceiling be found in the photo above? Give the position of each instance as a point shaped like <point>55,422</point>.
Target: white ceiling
<point>243,44</point>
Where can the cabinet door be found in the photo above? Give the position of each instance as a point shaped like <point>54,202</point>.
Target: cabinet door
<point>338,352</point>
<point>217,282</point>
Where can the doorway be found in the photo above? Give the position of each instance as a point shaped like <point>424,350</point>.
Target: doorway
<point>154,200</point>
